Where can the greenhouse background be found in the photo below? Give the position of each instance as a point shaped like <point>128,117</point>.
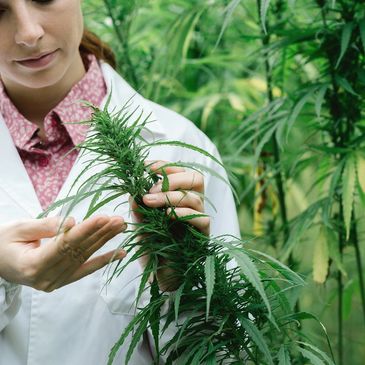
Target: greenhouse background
<point>279,86</point>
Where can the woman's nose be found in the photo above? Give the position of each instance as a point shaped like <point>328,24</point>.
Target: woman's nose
<point>28,29</point>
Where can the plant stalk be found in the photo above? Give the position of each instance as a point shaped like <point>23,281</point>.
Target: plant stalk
<point>124,43</point>
<point>359,266</point>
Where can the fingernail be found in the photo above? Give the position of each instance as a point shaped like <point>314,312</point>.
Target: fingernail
<point>121,254</point>
<point>150,197</point>
<point>67,223</point>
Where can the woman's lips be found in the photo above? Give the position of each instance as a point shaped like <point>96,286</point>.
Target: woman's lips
<point>39,62</point>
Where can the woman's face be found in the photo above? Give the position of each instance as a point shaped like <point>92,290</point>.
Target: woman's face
<point>39,41</point>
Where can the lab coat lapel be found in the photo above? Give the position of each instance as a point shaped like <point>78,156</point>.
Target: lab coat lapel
<point>14,179</point>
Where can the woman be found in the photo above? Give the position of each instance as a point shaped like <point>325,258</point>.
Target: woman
<point>47,62</point>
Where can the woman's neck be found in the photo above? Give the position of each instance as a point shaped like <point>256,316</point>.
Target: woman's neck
<point>35,104</point>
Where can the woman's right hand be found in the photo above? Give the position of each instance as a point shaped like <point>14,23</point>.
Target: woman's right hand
<point>63,259</point>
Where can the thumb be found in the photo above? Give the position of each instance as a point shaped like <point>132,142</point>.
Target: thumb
<point>35,229</point>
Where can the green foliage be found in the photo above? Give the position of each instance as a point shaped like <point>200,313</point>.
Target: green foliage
<point>229,313</point>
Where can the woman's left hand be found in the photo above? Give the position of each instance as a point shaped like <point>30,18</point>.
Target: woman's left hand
<point>185,195</point>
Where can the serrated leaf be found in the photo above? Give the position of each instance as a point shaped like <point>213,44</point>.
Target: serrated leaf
<point>283,356</point>
<point>318,351</point>
<point>345,40</point>
<point>248,268</point>
<point>257,337</point>
<point>184,145</point>
<point>320,257</point>
<point>264,7</point>
<point>348,187</point>
<point>314,359</point>
<point>209,271</point>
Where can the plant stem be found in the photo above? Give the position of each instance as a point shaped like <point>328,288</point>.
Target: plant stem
<point>278,176</point>
<point>359,265</point>
<point>340,288</point>
<point>124,43</point>
<point>340,318</point>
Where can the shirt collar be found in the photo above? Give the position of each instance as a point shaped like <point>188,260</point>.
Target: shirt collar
<point>91,88</point>
<point>122,94</point>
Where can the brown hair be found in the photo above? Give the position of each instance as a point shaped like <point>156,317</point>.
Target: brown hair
<point>91,43</point>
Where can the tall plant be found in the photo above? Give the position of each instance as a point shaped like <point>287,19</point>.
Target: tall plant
<point>325,112</point>
<point>220,312</point>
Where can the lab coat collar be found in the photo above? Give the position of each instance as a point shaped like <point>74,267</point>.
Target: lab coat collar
<point>123,94</point>
<point>14,180</point>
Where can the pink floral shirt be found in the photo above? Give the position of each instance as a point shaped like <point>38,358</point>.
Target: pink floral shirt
<point>45,162</point>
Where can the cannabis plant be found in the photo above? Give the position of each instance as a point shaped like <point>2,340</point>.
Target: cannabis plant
<point>230,304</point>
<point>324,114</point>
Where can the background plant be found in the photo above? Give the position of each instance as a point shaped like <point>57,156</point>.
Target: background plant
<point>287,79</point>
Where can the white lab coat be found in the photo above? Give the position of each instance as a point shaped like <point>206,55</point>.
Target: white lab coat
<point>78,324</point>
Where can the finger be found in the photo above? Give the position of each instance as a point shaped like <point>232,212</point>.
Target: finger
<point>104,235</point>
<point>175,199</point>
<point>95,264</point>
<point>159,165</point>
<point>36,229</point>
<point>58,255</point>
<point>191,180</point>
<point>87,232</point>
<point>202,223</point>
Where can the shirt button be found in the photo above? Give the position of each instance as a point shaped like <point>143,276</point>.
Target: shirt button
<point>43,161</point>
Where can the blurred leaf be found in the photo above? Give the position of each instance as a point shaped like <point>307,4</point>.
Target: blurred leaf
<point>360,169</point>
<point>300,226</point>
<point>320,257</point>
<point>264,7</point>
<point>345,85</point>
<point>283,356</point>
<point>297,109</point>
<point>334,251</point>
<point>348,187</point>
<point>348,293</point>
<point>345,40</point>
<point>228,13</point>
<point>321,93</point>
